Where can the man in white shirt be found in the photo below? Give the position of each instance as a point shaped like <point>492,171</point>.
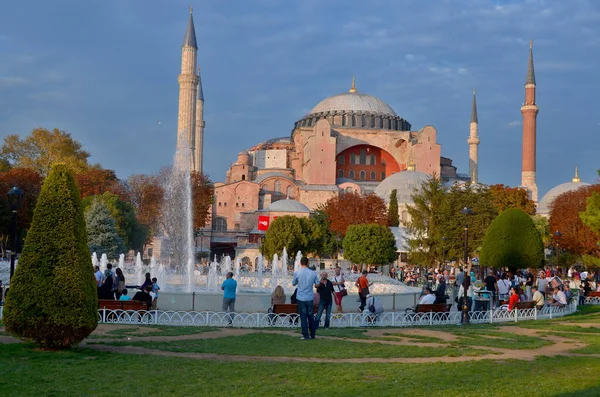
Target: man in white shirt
<point>559,298</point>
<point>428,298</point>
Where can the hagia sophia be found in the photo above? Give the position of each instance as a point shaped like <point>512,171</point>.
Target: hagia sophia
<point>348,142</point>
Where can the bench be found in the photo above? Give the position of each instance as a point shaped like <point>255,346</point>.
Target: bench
<point>523,305</point>
<point>436,308</point>
<point>593,293</point>
<point>290,308</point>
<point>109,304</point>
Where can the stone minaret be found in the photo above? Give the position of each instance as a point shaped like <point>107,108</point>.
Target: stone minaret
<point>530,112</point>
<point>199,132</point>
<point>188,83</point>
<point>473,142</point>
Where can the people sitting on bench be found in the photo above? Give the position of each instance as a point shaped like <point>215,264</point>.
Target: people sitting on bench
<point>428,298</point>
<point>124,296</point>
<point>558,298</point>
<point>144,295</point>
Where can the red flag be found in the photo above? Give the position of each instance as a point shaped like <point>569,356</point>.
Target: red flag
<point>263,222</point>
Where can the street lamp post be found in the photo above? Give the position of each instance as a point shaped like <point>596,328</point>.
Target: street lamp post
<point>15,199</point>
<point>467,279</point>
<point>443,252</point>
<point>557,235</point>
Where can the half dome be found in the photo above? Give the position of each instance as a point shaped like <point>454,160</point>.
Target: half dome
<point>405,183</point>
<point>546,201</point>
<point>287,205</point>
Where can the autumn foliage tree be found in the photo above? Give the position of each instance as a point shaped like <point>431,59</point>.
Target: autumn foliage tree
<point>354,209</point>
<point>96,181</point>
<point>43,148</point>
<point>576,237</point>
<point>202,197</point>
<point>146,194</point>
<point>30,183</point>
<point>505,197</point>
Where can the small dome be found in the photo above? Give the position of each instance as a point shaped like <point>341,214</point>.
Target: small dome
<point>353,101</point>
<point>287,205</point>
<point>544,204</point>
<point>405,183</point>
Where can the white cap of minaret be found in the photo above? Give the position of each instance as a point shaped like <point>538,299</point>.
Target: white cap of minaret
<point>473,142</point>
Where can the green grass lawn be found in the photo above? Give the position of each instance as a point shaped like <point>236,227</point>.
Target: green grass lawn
<point>26,371</point>
<point>275,345</point>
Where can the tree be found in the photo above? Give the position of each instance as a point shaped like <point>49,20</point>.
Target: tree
<point>103,237</point>
<point>286,231</point>
<point>147,196</point>
<point>591,215</point>
<point>30,183</point>
<point>512,241</point>
<point>132,232</point>
<point>53,298</point>
<point>393,218</point>
<point>43,148</point>
<point>577,237</point>
<point>371,244</point>
<point>202,197</point>
<point>353,209</point>
<point>452,223</point>
<point>543,227</point>
<point>505,197</point>
<point>321,241</point>
<point>424,224</point>
<point>95,181</point>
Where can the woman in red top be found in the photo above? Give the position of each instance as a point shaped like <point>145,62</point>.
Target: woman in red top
<point>514,298</point>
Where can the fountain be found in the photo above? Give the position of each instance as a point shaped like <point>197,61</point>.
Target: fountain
<point>275,270</point>
<point>297,261</point>
<point>212,280</point>
<point>139,271</point>
<point>95,259</point>
<point>103,262</point>
<point>238,262</point>
<point>284,261</point>
<point>122,261</point>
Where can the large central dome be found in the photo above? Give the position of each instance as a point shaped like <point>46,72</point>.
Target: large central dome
<point>353,101</point>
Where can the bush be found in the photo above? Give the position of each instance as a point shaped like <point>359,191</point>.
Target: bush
<point>52,299</point>
<point>369,244</point>
<point>512,241</point>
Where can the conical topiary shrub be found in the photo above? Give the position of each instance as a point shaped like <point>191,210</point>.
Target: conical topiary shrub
<point>512,241</point>
<point>52,299</point>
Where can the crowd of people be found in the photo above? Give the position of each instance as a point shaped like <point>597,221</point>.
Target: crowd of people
<point>111,286</point>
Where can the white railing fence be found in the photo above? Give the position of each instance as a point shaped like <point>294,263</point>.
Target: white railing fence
<point>346,320</point>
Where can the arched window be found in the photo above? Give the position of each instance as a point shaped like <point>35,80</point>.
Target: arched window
<point>219,225</point>
<point>352,158</point>
<point>243,177</point>
<point>363,175</point>
<point>373,175</point>
<point>363,156</point>
<point>341,160</point>
<point>351,174</point>
<point>353,120</point>
<point>344,120</point>
<point>382,176</point>
<point>277,187</point>
<point>373,160</point>
<point>290,192</point>
<point>340,173</point>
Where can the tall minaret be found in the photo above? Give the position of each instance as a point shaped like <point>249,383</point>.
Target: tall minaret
<point>199,131</point>
<point>188,83</point>
<point>473,142</point>
<point>529,111</point>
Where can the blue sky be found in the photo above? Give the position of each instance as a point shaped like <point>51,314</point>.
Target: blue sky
<point>107,73</point>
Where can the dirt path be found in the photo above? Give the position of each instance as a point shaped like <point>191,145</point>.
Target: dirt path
<point>560,345</point>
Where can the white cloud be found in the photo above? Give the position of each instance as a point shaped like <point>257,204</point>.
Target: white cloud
<point>515,123</point>
<point>12,80</point>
